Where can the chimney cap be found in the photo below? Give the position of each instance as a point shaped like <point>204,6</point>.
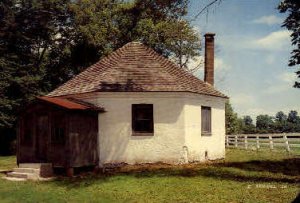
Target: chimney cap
<point>209,34</point>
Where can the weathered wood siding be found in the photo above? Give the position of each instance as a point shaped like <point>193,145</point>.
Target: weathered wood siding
<point>28,128</point>
<point>83,137</point>
<point>57,152</point>
<point>80,132</point>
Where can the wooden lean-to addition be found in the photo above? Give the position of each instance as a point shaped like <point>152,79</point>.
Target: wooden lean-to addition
<point>60,131</point>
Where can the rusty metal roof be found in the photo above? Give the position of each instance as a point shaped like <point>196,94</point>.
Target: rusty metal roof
<point>70,103</point>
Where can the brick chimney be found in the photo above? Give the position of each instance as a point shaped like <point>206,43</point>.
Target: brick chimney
<point>209,58</point>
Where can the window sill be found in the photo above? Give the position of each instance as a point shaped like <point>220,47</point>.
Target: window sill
<point>206,134</point>
<point>142,134</point>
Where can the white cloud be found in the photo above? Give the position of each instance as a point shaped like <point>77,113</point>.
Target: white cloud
<point>288,77</point>
<point>270,59</point>
<point>253,112</point>
<point>268,20</point>
<point>277,88</point>
<point>282,83</point>
<point>242,99</point>
<point>198,61</point>
<point>279,40</point>
<point>220,64</point>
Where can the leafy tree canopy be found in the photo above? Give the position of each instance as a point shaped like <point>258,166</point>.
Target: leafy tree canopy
<point>292,23</point>
<point>280,117</point>
<point>232,123</point>
<point>293,117</point>
<point>264,123</point>
<point>106,25</point>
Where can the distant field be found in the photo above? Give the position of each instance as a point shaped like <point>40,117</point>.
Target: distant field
<point>244,176</point>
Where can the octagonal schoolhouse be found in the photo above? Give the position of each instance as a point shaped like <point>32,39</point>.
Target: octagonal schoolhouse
<point>133,106</point>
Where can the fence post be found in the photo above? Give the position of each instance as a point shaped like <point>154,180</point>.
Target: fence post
<point>246,141</point>
<point>257,141</point>
<point>286,143</point>
<point>271,142</point>
<point>235,141</point>
<point>227,140</point>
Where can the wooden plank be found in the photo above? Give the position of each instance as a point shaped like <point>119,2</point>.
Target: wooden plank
<point>246,142</point>
<point>271,142</point>
<point>267,135</point>
<point>227,141</point>
<point>235,141</point>
<point>287,143</point>
<point>279,144</point>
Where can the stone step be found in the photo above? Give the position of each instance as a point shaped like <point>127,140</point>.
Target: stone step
<point>14,179</point>
<point>27,170</point>
<point>31,171</point>
<point>17,175</point>
<point>35,165</point>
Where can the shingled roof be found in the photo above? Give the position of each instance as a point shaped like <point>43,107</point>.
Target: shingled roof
<point>135,68</point>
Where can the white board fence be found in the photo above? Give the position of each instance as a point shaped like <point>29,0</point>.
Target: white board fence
<point>289,141</point>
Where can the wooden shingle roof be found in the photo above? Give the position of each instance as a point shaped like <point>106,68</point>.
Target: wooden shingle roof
<point>135,68</point>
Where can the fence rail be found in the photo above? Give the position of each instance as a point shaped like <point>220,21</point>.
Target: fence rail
<point>286,140</point>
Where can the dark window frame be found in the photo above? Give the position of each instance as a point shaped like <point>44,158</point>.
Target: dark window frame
<point>206,120</point>
<point>142,119</point>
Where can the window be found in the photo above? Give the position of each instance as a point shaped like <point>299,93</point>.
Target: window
<point>58,129</point>
<point>142,119</point>
<point>205,120</point>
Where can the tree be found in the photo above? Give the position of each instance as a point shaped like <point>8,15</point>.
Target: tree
<point>248,126</point>
<point>292,23</point>
<point>264,123</point>
<point>248,120</point>
<point>280,117</point>
<point>281,124</point>
<point>232,123</point>
<point>103,26</point>
<point>28,34</point>
<point>293,121</point>
<point>293,117</point>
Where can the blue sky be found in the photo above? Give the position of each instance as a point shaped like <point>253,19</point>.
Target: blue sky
<point>252,52</point>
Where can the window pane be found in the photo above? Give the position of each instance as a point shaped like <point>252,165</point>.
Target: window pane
<point>206,119</point>
<point>142,118</point>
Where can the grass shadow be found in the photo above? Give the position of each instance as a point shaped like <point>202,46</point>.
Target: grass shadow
<point>290,167</point>
<point>283,171</point>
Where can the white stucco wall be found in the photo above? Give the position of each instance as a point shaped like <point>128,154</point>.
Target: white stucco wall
<point>213,145</point>
<point>177,127</point>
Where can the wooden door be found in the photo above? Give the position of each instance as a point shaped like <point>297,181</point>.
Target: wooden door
<point>42,133</point>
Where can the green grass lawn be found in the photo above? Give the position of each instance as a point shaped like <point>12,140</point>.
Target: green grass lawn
<point>244,176</point>
<point>7,163</point>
